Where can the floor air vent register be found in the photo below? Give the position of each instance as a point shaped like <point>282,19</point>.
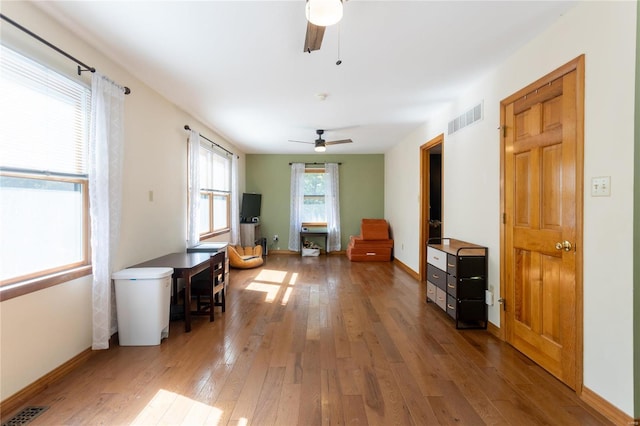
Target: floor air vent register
<point>25,416</point>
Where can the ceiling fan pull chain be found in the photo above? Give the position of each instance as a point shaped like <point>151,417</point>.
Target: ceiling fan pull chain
<point>339,61</point>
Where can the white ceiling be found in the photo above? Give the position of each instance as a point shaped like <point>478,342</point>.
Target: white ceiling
<point>239,66</point>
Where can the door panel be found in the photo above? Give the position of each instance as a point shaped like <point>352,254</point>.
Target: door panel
<point>540,199</point>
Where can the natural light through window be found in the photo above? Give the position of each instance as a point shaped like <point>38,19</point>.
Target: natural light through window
<point>270,282</point>
<point>285,298</point>
<point>271,276</point>
<point>271,290</point>
<point>168,407</point>
<point>43,170</point>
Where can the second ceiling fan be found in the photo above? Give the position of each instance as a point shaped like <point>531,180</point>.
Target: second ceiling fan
<point>320,144</point>
<point>320,14</point>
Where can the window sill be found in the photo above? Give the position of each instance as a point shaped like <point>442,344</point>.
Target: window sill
<point>10,291</point>
<point>204,237</point>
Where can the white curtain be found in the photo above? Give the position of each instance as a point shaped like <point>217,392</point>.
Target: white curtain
<point>105,199</point>
<point>297,201</point>
<point>193,230</point>
<point>235,203</point>
<point>332,204</point>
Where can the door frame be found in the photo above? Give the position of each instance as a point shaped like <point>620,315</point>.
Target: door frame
<point>424,198</point>
<point>577,64</point>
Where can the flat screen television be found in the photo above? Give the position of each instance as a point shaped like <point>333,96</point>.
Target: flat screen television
<point>250,207</point>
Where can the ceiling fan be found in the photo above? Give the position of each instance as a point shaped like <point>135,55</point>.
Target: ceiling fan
<point>320,144</point>
<point>320,14</point>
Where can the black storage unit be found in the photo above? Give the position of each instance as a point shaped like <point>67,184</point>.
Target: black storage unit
<point>457,280</point>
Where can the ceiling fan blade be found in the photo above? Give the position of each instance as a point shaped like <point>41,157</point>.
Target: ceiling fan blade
<point>338,141</point>
<point>290,140</point>
<point>313,39</point>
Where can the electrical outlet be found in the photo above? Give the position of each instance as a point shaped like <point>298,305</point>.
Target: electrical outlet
<point>275,237</point>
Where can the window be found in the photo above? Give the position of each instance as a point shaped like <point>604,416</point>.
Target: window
<point>313,210</point>
<point>215,190</point>
<point>44,134</point>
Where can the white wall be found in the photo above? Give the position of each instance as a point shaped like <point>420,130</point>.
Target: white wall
<point>605,32</point>
<point>42,330</point>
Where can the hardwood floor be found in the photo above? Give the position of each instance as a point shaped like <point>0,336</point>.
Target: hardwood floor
<point>313,341</point>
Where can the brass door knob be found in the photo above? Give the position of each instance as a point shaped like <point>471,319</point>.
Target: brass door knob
<point>565,245</point>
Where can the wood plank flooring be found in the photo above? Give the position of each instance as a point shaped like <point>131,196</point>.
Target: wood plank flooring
<point>316,341</point>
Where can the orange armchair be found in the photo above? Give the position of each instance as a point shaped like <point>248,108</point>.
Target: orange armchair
<point>373,243</point>
<point>245,257</point>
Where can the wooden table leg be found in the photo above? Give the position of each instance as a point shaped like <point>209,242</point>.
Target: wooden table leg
<point>187,302</point>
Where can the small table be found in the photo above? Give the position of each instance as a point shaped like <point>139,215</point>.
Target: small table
<point>212,247</point>
<point>322,232</point>
<point>185,265</point>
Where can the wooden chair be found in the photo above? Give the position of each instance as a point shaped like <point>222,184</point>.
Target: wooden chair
<point>208,288</point>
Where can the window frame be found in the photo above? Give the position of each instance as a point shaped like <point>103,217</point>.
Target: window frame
<point>211,193</point>
<point>315,170</point>
<point>37,280</point>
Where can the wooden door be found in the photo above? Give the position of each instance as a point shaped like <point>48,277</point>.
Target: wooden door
<point>542,197</point>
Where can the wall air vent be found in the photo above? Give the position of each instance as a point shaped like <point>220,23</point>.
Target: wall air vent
<point>463,120</point>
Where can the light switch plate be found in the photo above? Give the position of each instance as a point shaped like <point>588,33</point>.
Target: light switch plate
<point>601,186</point>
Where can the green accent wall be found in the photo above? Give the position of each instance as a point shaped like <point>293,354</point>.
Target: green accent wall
<point>361,191</point>
<point>636,231</point>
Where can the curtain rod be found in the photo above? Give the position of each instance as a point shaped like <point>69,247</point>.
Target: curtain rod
<point>316,164</point>
<point>56,48</point>
<point>186,127</point>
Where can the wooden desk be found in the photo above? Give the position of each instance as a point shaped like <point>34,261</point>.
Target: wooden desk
<point>185,265</point>
<point>319,233</point>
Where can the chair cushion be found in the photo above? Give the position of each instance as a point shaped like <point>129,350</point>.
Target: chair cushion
<point>245,257</point>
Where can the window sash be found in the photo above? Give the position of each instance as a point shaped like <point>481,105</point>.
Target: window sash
<point>45,117</point>
<point>313,208</point>
<point>45,214</point>
<point>215,169</point>
<point>214,213</point>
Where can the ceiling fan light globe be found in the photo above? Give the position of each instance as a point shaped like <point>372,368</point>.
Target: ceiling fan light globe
<point>320,148</point>
<point>324,12</point>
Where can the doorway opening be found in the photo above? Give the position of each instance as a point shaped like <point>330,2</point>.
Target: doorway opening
<point>431,196</point>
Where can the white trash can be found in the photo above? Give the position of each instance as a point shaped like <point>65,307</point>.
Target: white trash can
<point>143,301</point>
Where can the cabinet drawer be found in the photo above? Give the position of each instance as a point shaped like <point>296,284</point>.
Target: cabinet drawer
<point>431,291</point>
<point>472,310</point>
<point>451,306</point>
<point>437,276</point>
<point>451,264</point>
<point>471,288</point>
<point>437,258</point>
<point>441,298</point>
<point>471,266</point>
<point>451,286</point>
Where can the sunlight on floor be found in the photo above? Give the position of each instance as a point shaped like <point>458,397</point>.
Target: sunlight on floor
<point>171,408</point>
<point>271,276</point>
<point>265,280</point>
<point>271,290</point>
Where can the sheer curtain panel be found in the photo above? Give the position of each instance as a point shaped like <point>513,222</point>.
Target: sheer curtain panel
<point>332,204</point>
<point>193,231</point>
<point>297,201</point>
<point>105,199</point>
<point>235,203</point>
